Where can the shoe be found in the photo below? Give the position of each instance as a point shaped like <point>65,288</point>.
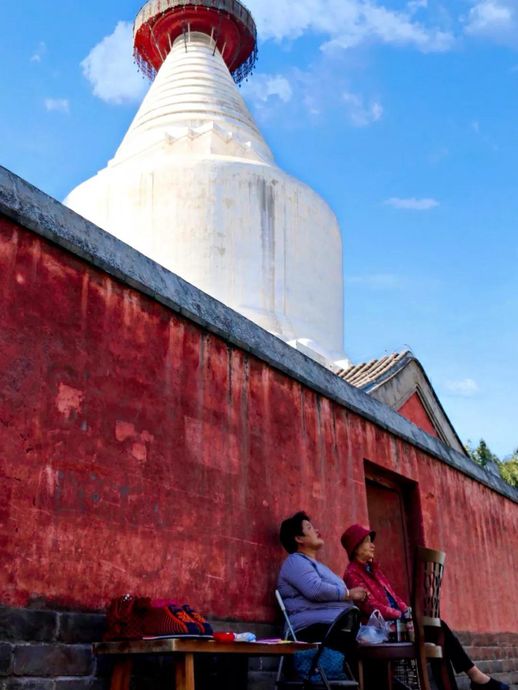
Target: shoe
<point>191,626</point>
<point>492,685</point>
<point>203,625</point>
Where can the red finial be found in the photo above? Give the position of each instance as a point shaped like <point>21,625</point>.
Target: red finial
<point>232,27</point>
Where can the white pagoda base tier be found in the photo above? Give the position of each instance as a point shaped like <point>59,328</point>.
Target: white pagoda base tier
<point>194,187</point>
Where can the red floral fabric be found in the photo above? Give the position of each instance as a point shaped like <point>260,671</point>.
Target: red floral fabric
<point>376,584</point>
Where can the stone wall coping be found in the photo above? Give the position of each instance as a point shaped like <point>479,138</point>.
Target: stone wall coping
<point>47,217</point>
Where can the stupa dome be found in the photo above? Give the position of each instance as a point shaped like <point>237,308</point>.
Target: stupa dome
<point>194,186</point>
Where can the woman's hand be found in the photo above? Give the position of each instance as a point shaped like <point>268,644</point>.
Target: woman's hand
<point>357,594</point>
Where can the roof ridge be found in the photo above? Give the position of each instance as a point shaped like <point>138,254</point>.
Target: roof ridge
<point>366,373</point>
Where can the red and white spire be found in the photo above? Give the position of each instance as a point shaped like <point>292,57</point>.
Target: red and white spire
<point>193,95</point>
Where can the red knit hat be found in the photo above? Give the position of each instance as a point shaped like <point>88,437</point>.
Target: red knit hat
<point>353,537</point>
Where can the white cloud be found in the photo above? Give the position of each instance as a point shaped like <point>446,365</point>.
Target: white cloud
<point>264,87</point>
<point>40,51</point>
<point>110,69</point>
<point>376,23</point>
<point>488,15</point>
<point>464,388</point>
<point>58,105</point>
<point>361,113</point>
<point>416,5</point>
<point>412,204</point>
<point>348,23</point>
<point>300,94</point>
<point>494,19</point>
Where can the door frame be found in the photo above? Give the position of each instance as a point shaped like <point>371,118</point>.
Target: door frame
<point>408,491</point>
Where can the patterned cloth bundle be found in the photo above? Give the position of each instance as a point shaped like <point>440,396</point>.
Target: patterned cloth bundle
<point>132,618</point>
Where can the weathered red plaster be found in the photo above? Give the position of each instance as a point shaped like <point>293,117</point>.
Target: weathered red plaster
<point>414,410</point>
<point>69,400</point>
<point>140,453</point>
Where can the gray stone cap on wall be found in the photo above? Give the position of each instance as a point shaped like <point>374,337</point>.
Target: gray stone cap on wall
<point>47,217</point>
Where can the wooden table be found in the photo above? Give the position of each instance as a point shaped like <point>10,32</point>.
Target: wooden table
<point>183,652</point>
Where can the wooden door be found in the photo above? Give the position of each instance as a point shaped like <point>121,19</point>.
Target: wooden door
<point>388,517</point>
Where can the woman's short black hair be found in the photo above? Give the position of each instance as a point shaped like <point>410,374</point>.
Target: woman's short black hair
<point>291,528</point>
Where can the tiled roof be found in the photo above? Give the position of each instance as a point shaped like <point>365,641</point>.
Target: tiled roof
<point>367,374</point>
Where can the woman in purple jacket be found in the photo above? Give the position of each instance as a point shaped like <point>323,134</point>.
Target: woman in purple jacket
<point>312,593</point>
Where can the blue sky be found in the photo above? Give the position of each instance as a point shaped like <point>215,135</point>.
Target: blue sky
<point>402,114</point>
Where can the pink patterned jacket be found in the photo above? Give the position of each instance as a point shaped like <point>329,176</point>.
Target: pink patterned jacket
<point>375,583</point>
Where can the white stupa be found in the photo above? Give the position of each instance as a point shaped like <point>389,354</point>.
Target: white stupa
<point>195,187</point>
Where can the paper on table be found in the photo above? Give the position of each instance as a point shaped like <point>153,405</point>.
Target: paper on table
<point>177,637</point>
<point>277,640</point>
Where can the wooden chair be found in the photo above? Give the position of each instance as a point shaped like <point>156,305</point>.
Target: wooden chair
<point>428,574</point>
<point>426,602</point>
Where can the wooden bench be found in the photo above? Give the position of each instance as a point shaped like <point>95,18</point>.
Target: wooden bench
<point>183,652</point>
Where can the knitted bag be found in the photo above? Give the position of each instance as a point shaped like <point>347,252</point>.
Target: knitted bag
<point>330,661</point>
<point>132,618</point>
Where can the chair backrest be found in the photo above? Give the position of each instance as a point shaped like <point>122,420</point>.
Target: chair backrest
<point>286,617</point>
<point>343,630</point>
<point>428,574</point>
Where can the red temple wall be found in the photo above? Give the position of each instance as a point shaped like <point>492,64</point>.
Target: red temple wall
<point>141,453</point>
<point>414,410</point>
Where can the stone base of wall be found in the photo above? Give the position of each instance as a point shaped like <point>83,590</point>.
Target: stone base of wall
<point>494,654</point>
<point>48,650</point>
<point>51,650</point>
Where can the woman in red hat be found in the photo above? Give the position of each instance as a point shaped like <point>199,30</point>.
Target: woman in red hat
<point>363,571</point>
<point>359,544</point>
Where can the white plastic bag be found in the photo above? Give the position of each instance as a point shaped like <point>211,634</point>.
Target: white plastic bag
<point>375,632</point>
